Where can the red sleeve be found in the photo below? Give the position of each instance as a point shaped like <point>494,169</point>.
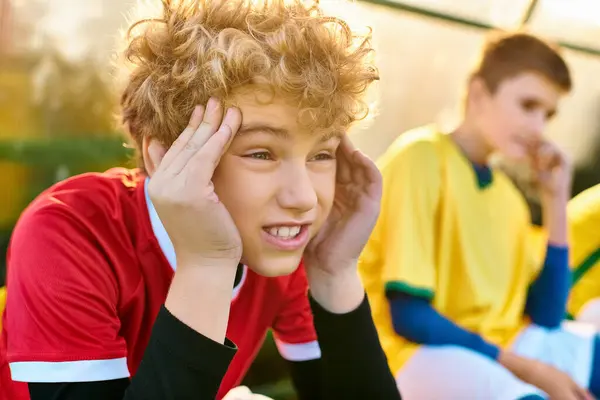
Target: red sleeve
<point>293,328</point>
<point>61,316</point>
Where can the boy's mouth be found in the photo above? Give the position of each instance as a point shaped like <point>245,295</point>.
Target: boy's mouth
<point>287,237</point>
<point>284,232</point>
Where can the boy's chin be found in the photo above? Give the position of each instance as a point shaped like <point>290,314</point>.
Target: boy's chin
<point>271,267</point>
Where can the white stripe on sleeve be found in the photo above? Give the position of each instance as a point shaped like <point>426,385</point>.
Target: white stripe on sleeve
<point>299,351</point>
<point>69,371</point>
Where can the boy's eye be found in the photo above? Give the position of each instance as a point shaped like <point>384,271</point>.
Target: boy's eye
<point>260,155</point>
<point>324,156</point>
<point>530,105</point>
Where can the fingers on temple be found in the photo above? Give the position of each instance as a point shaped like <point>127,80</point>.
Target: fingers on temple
<point>180,143</point>
<point>213,115</point>
<point>207,158</point>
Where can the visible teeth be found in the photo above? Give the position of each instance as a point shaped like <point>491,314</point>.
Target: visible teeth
<point>285,232</point>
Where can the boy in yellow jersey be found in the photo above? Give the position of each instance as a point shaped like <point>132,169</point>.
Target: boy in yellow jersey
<point>465,306</point>
<point>584,221</point>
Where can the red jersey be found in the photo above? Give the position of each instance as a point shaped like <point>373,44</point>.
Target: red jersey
<point>89,266</point>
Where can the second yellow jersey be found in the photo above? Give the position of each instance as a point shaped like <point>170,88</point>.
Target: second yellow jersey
<point>441,236</point>
<point>584,242</point>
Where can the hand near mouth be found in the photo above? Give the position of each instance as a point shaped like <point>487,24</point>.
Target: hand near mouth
<point>552,170</point>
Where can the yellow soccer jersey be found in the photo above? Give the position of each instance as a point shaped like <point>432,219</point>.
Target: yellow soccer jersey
<point>442,236</point>
<point>2,304</point>
<point>584,236</point>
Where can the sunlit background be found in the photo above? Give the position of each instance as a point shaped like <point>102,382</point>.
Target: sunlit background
<point>57,104</point>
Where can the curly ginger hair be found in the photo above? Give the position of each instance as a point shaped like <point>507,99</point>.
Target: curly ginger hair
<point>197,49</point>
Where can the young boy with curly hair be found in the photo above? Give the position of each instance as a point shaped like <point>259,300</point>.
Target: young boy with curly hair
<point>464,305</point>
<point>237,212</point>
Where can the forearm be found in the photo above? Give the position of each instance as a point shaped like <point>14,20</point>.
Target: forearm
<point>522,367</point>
<point>197,285</point>
<point>353,364</point>
<point>178,363</point>
<point>548,295</point>
<point>415,319</point>
<point>554,214</point>
<point>338,294</point>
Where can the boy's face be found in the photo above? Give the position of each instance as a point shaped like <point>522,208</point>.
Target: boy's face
<point>513,119</point>
<point>277,180</point>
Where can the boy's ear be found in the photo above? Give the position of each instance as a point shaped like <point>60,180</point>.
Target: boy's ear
<point>477,91</point>
<point>153,153</point>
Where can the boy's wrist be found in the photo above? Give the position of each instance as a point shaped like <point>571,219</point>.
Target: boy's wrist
<point>195,285</point>
<point>558,198</point>
<point>520,366</point>
<point>554,209</point>
<point>338,293</point>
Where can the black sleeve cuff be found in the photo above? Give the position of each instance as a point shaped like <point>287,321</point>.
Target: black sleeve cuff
<point>354,365</point>
<point>198,352</point>
<point>344,332</point>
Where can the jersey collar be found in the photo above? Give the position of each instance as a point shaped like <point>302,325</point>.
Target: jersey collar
<point>484,175</point>
<point>164,241</point>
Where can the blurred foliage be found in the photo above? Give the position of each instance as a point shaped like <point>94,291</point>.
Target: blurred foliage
<point>66,151</point>
<point>72,99</point>
<point>56,120</point>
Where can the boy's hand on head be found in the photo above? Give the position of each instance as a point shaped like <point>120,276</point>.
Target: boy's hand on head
<point>181,189</point>
<point>553,170</point>
<point>207,243</point>
<point>331,256</point>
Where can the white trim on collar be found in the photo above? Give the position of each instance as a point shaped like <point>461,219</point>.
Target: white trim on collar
<point>159,230</point>
<point>165,242</point>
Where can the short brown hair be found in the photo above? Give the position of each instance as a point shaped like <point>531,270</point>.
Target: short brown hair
<point>506,54</point>
<point>195,49</point>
